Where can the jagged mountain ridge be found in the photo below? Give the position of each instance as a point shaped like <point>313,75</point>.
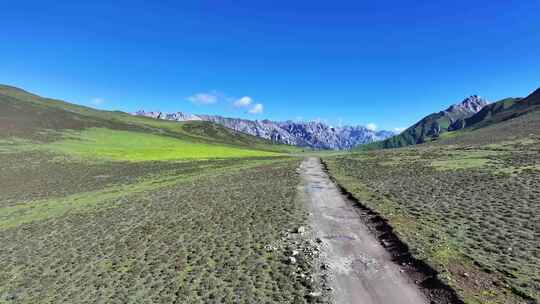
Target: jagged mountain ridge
<point>501,110</point>
<point>433,125</point>
<point>311,134</point>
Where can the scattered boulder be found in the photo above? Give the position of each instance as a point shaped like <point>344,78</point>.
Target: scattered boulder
<point>270,248</point>
<point>315,294</point>
<point>10,296</point>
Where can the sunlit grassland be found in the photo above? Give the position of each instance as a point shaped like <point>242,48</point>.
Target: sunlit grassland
<point>188,232</point>
<point>99,143</point>
<point>454,160</point>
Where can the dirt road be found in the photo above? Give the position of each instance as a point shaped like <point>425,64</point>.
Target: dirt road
<point>361,270</point>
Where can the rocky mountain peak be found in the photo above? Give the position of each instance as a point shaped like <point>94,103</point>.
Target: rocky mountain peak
<point>314,134</point>
<point>470,105</point>
<point>157,115</point>
<point>177,116</point>
<point>534,97</point>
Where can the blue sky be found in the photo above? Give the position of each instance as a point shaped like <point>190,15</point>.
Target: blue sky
<point>352,62</point>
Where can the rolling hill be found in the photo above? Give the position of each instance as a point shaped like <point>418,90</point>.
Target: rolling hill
<point>51,123</point>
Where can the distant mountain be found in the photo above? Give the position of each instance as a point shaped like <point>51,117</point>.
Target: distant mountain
<point>485,114</point>
<point>507,120</point>
<point>177,116</point>
<point>315,135</point>
<point>433,125</point>
<point>533,100</point>
<point>502,110</point>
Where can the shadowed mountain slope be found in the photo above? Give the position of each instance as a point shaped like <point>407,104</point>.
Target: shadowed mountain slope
<point>433,125</point>
<point>503,110</point>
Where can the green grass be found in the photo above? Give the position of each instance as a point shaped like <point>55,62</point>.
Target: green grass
<point>463,163</point>
<point>136,146</point>
<point>188,236</point>
<point>14,144</point>
<point>39,210</point>
<point>450,134</point>
<point>25,115</point>
<point>457,159</point>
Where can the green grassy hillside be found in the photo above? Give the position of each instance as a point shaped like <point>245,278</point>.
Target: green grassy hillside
<point>507,120</point>
<point>427,129</point>
<point>517,128</point>
<point>503,110</point>
<point>424,130</point>
<point>42,121</point>
<point>138,146</point>
<point>491,115</point>
<point>484,116</point>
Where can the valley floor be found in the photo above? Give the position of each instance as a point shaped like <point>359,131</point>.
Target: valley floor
<point>469,210</point>
<point>224,231</point>
<point>207,231</point>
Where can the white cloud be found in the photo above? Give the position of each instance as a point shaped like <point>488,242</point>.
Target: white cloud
<point>399,130</point>
<point>243,102</point>
<point>256,109</point>
<point>204,98</point>
<point>371,126</point>
<point>97,101</point>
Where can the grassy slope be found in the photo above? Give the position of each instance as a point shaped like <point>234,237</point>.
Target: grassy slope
<point>420,132</point>
<point>466,200</point>
<point>516,128</point>
<point>500,111</point>
<point>24,115</point>
<point>504,110</point>
<point>138,146</point>
<point>483,117</point>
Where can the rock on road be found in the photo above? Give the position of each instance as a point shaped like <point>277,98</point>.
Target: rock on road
<point>361,269</point>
